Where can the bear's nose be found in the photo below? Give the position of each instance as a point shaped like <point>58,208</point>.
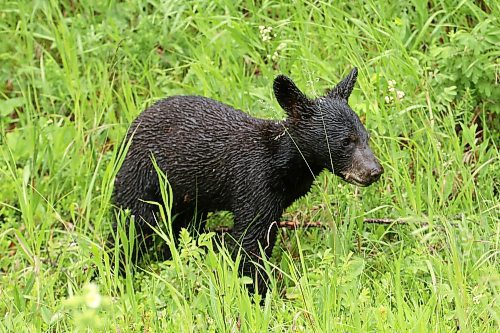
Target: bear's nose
<point>376,172</point>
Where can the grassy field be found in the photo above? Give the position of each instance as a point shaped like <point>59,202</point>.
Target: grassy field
<point>73,76</point>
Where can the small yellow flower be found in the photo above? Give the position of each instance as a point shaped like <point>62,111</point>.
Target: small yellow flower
<point>383,312</point>
<point>92,297</point>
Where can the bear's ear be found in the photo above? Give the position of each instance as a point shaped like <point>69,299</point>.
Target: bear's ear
<point>290,98</point>
<point>344,89</point>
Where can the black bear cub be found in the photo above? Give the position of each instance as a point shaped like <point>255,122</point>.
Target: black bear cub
<point>218,158</point>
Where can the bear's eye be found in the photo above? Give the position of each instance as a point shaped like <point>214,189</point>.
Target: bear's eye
<point>346,142</point>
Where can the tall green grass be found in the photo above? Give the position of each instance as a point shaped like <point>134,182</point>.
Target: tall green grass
<point>73,76</point>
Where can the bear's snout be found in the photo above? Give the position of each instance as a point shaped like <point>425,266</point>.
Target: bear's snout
<point>365,169</point>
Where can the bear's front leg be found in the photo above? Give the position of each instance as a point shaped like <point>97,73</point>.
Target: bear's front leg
<point>255,228</point>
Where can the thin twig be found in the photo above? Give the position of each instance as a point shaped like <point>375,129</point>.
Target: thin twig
<point>384,221</point>
<point>301,225</point>
<point>305,225</point>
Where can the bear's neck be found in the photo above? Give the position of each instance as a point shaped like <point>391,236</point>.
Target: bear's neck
<point>293,169</point>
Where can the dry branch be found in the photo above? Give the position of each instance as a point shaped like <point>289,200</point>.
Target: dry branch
<point>305,225</point>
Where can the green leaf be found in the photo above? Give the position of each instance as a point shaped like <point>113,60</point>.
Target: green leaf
<point>246,280</point>
<point>8,105</point>
<point>46,314</point>
<point>356,267</point>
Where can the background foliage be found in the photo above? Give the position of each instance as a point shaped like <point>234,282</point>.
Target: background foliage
<point>73,76</point>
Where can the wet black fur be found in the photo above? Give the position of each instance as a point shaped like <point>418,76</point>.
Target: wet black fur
<point>219,158</point>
